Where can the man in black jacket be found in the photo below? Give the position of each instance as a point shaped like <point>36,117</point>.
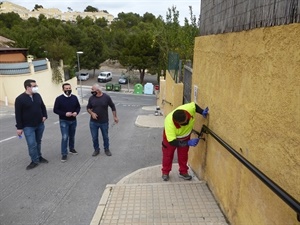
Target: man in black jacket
<point>30,113</point>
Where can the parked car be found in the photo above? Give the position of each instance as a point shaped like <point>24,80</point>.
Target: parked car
<point>123,79</point>
<point>83,76</point>
<point>105,77</point>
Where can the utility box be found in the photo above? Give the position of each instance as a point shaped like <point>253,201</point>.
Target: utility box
<point>138,89</point>
<point>117,87</point>
<point>109,87</point>
<point>148,89</point>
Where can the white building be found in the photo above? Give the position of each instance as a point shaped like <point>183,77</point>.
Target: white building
<point>24,13</point>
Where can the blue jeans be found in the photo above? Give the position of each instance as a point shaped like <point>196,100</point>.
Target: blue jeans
<point>33,137</point>
<point>94,127</point>
<point>68,129</point>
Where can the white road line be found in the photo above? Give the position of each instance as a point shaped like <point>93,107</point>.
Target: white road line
<point>56,122</point>
<point>7,139</point>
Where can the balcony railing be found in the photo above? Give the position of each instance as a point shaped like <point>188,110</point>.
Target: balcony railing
<point>22,67</point>
<point>40,65</point>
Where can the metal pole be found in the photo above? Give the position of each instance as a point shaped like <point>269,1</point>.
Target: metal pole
<point>81,96</point>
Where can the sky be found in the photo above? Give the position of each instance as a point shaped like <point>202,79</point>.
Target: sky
<point>156,7</point>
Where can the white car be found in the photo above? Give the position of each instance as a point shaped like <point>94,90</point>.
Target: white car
<point>105,76</point>
<point>83,76</point>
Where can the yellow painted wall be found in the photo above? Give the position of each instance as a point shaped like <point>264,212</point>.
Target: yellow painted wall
<point>13,85</point>
<point>170,95</point>
<point>251,82</point>
<point>161,93</point>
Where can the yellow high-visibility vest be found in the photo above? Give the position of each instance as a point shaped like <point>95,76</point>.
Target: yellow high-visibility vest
<point>173,130</point>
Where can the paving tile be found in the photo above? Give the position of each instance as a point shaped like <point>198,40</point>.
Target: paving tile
<point>143,198</point>
<point>160,203</point>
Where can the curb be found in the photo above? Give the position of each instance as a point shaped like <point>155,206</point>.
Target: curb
<point>102,204</point>
<point>150,121</point>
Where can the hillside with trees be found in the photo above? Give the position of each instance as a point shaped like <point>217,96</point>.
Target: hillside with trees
<point>137,42</point>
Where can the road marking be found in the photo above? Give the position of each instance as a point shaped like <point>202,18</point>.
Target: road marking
<point>7,139</point>
<point>131,105</point>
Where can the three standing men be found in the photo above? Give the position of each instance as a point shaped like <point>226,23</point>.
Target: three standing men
<point>67,107</point>
<point>30,114</point>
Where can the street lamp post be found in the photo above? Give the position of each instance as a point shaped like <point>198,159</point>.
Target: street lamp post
<point>81,96</point>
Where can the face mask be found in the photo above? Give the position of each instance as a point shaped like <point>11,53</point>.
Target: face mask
<point>94,93</point>
<point>35,89</point>
<point>68,92</point>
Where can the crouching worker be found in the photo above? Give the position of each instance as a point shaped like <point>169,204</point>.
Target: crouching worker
<point>178,126</point>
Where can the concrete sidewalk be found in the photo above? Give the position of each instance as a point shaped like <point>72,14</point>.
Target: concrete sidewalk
<point>144,198</point>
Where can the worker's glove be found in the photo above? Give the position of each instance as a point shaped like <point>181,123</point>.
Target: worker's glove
<point>193,142</point>
<point>205,112</point>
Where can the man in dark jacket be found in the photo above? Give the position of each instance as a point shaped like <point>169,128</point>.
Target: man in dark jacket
<point>97,107</point>
<point>67,107</point>
<point>30,113</point>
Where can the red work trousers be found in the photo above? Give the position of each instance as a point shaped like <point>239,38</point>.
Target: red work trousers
<point>168,154</point>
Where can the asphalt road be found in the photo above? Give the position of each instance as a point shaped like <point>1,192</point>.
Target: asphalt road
<point>68,193</point>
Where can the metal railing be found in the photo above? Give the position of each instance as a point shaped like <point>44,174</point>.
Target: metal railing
<point>15,68</point>
<point>173,65</point>
<point>287,198</point>
<point>40,65</point>
<point>187,80</point>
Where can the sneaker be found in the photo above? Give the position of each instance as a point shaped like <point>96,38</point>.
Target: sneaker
<point>185,176</point>
<point>64,158</point>
<point>95,153</point>
<point>165,177</point>
<point>73,151</point>
<point>107,152</point>
<point>43,160</point>
<point>31,166</point>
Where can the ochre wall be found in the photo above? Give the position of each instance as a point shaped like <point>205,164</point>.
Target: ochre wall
<point>251,82</point>
<point>13,85</point>
<point>171,94</point>
<point>12,57</point>
<point>161,94</point>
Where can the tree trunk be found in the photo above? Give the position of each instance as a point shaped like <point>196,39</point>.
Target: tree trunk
<point>94,73</point>
<point>142,75</point>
